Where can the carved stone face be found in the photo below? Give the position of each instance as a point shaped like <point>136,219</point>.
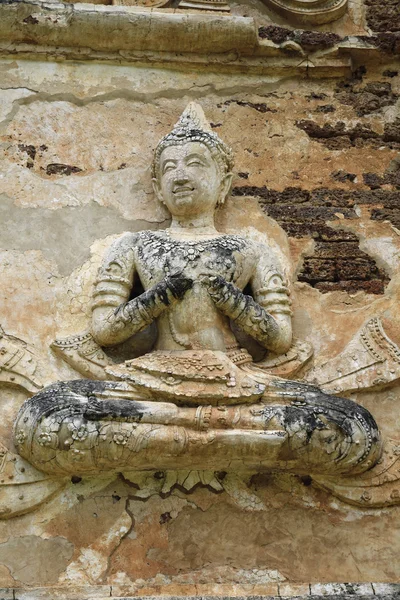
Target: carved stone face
<point>189,180</point>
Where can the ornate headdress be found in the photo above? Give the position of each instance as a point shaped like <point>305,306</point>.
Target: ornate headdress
<point>193,127</point>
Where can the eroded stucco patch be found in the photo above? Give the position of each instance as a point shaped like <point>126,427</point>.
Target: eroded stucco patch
<point>33,560</point>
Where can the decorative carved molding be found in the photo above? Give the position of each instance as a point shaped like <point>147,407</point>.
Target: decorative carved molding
<point>17,364</point>
<point>82,353</point>
<point>291,363</point>
<point>214,5</point>
<point>309,12</point>
<point>143,3</point>
<point>371,360</point>
<point>217,5</point>
<point>164,482</point>
<point>22,487</point>
<point>197,40</point>
<point>376,488</point>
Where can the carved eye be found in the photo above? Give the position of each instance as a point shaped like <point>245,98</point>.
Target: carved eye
<point>168,167</point>
<point>196,162</point>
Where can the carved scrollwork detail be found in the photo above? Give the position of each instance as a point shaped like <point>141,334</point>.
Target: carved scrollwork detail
<point>18,365</point>
<point>371,360</point>
<point>22,487</point>
<point>306,12</point>
<point>82,353</point>
<point>378,487</point>
<point>164,482</point>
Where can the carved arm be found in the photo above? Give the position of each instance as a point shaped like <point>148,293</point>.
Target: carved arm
<point>272,332</point>
<point>112,325</point>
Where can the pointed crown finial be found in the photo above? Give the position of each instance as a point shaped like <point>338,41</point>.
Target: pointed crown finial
<point>192,126</point>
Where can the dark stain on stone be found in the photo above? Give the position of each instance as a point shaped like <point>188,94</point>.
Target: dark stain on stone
<point>315,96</point>
<point>309,40</point>
<point>259,107</point>
<point>376,181</point>
<point>386,42</point>
<point>383,15</point>
<point>30,20</point>
<point>343,176</point>
<point>340,198</point>
<point>165,518</point>
<point>306,480</point>
<point>325,108</point>
<point>373,180</point>
<point>29,149</point>
<point>317,40</point>
<point>243,175</point>
<point>366,99</point>
<point>258,481</point>
<point>276,34</point>
<point>79,398</point>
<point>337,262</point>
<point>387,214</point>
<point>336,136</point>
<point>392,131</point>
<point>390,74</point>
<point>60,169</point>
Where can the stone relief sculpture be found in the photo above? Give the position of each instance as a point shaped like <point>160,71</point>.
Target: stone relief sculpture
<point>214,5</point>
<point>305,13</point>
<point>301,12</point>
<point>198,405</point>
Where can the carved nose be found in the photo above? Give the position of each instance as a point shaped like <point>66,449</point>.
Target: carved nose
<point>181,177</point>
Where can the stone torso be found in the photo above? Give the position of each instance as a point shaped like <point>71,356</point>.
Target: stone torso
<point>159,254</point>
<point>195,322</point>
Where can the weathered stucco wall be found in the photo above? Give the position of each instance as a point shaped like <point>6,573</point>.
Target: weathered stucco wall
<point>317,168</point>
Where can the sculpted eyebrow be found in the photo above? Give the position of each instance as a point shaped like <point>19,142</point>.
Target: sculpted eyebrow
<point>194,155</point>
<point>166,161</point>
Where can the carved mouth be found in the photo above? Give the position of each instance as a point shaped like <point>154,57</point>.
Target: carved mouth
<point>183,190</point>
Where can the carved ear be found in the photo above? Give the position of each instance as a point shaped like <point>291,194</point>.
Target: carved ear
<point>157,190</point>
<point>226,184</point>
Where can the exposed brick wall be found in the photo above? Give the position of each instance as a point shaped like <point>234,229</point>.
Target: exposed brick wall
<point>337,262</point>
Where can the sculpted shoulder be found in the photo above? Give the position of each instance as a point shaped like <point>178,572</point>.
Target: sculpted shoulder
<point>127,242</point>
<point>122,244</point>
<point>261,247</point>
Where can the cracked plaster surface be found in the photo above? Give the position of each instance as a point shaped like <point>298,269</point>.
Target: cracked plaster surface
<point>34,560</point>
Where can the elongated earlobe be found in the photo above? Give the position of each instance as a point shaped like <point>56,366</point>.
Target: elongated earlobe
<point>226,185</point>
<point>157,190</point>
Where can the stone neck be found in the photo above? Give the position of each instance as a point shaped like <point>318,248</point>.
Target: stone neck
<point>193,228</point>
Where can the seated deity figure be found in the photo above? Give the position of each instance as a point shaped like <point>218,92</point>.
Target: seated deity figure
<point>197,400</point>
